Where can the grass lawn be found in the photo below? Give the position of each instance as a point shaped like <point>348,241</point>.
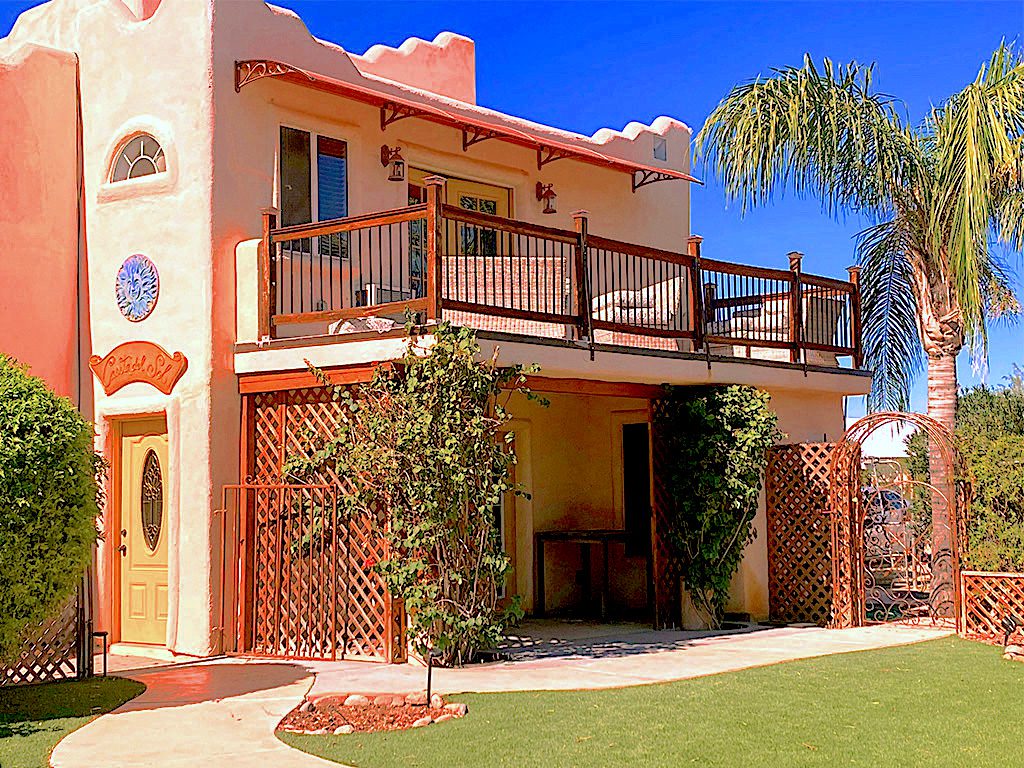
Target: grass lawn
<point>946,702</point>
<point>33,718</point>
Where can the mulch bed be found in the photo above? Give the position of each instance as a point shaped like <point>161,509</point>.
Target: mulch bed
<point>327,714</point>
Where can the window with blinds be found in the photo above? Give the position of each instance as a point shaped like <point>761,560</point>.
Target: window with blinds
<point>332,191</point>
<point>305,157</point>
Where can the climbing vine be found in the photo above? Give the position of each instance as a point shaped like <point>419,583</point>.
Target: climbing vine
<point>715,441</point>
<point>425,452</point>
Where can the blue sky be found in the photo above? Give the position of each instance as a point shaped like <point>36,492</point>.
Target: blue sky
<point>582,66</point>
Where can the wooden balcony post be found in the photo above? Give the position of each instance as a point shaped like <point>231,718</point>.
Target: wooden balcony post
<point>858,351</point>
<point>435,240</point>
<point>583,298</point>
<point>693,244</point>
<point>267,304</point>
<point>795,306</point>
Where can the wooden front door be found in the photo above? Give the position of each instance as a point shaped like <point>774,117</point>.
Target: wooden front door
<point>143,548</point>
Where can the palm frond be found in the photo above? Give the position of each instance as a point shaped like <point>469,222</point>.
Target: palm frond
<point>977,148</point>
<point>1008,192</point>
<point>823,133</point>
<point>889,315</point>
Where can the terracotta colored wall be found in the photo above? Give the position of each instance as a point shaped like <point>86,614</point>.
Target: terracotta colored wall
<point>38,214</point>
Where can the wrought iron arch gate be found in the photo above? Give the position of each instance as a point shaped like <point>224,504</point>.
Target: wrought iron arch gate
<point>894,558</point>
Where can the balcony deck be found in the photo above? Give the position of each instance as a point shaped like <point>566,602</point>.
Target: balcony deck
<point>502,275</point>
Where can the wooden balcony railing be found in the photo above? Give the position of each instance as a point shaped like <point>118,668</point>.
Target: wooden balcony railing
<point>489,272</point>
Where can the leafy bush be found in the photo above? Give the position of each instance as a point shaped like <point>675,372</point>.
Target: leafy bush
<point>424,452</point>
<point>990,435</point>
<point>716,440</point>
<point>49,501</point>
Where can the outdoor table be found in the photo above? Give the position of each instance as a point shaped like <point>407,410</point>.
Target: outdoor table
<point>586,539</point>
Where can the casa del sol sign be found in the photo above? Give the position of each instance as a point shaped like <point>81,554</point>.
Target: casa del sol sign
<point>138,361</point>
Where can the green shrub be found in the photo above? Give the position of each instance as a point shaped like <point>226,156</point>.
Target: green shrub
<point>425,453</point>
<point>49,501</point>
<point>716,442</point>
<point>990,437</point>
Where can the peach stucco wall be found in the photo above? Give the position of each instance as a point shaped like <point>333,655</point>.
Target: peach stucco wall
<point>445,65</point>
<point>146,69</point>
<point>39,214</point>
<point>570,456</point>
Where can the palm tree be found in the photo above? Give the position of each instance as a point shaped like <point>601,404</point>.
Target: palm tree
<point>943,199</point>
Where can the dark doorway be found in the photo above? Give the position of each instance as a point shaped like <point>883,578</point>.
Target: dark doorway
<point>636,488</point>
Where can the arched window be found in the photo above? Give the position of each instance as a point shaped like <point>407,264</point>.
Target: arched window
<point>139,156</point>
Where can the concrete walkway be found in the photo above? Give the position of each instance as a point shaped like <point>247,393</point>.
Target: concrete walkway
<point>619,659</point>
<point>214,713</point>
<point>224,711</point>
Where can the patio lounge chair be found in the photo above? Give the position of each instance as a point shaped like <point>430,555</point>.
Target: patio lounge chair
<point>659,305</point>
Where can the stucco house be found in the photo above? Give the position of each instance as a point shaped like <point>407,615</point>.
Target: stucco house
<point>199,196</point>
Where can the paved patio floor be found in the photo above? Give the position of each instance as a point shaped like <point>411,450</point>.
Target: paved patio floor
<point>224,711</point>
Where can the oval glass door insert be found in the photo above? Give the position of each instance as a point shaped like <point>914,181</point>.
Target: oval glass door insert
<point>152,500</point>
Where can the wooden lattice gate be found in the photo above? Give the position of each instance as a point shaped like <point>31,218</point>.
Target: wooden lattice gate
<point>799,533</point>
<point>309,587</point>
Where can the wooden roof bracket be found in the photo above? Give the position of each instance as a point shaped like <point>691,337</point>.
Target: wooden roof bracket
<point>547,155</point>
<point>474,135</point>
<point>642,178</point>
<point>392,113</point>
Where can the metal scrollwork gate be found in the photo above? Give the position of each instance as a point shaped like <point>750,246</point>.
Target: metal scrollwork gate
<point>896,540</point>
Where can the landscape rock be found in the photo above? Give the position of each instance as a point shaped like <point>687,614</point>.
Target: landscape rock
<point>387,701</point>
<point>418,699</point>
<point>398,701</point>
<point>423,721</point>
<point>306,706</point>
<point>457,708</point>
<point>343,729</point>
<point>444,717</point>
<point>356,700</point>
<point>436,701</point>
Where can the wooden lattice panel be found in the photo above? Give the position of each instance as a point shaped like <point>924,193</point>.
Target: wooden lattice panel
<point>50,651</point>
<point>799,534</point>
<point>987,599</point>
<point>324,603</point>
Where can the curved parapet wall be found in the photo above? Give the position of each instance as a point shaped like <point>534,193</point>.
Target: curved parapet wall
<point>445,66</point>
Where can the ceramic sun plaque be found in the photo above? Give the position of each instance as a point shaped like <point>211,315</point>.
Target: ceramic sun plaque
<point>137,287</point>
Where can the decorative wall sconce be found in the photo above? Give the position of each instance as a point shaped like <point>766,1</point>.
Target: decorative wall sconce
<point>546,194</point>
<point>392,156</point>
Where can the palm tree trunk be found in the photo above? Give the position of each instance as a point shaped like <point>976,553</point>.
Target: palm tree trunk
<point>942,390</point>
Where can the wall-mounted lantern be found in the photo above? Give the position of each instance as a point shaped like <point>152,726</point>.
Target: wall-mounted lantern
<point>391,158</point>
<point>546,194</point>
